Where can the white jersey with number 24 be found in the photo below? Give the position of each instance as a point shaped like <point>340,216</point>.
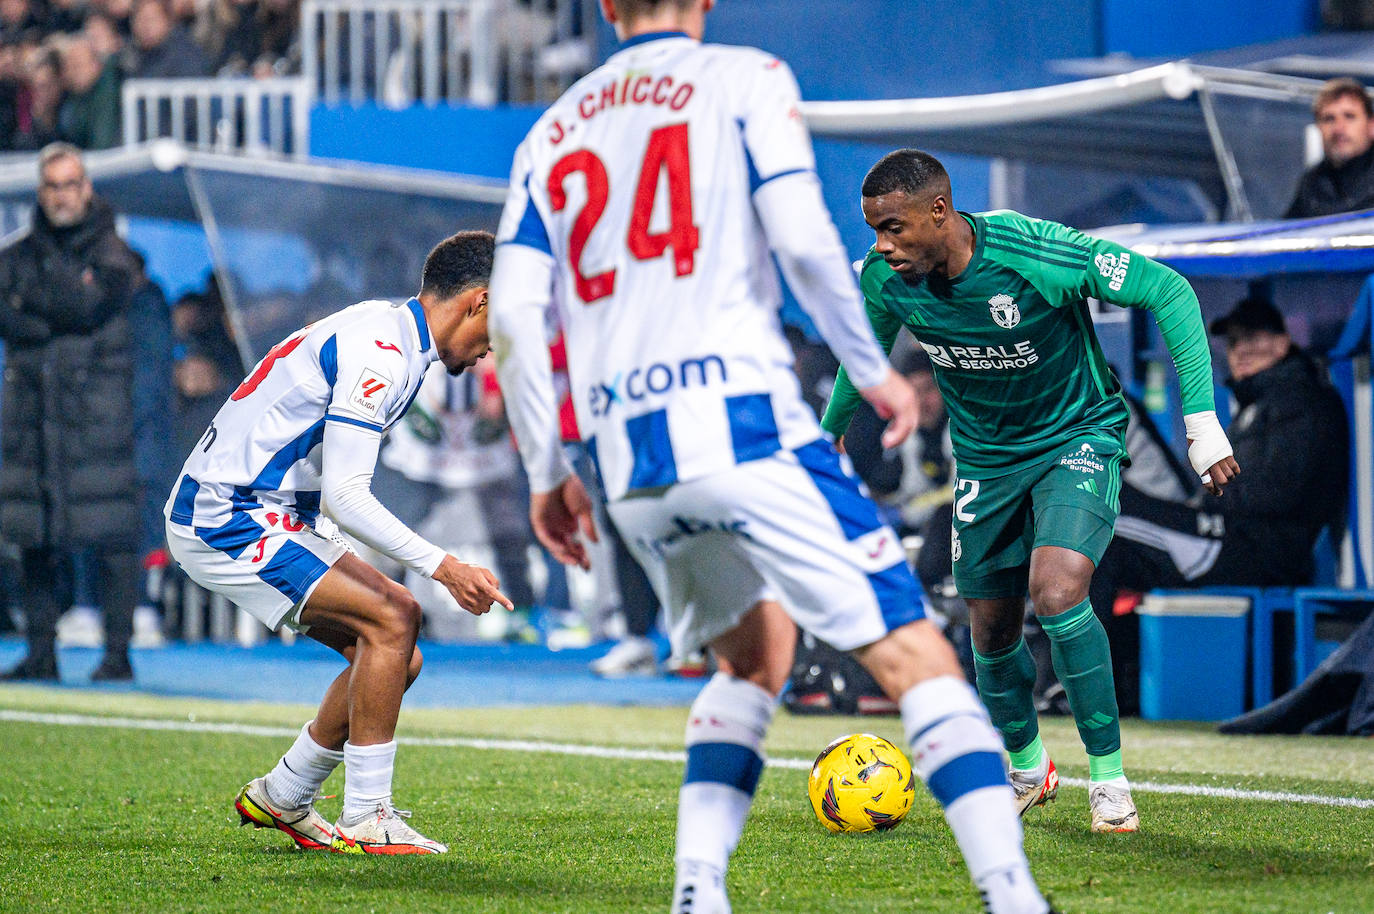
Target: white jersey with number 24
<point>643,207</point>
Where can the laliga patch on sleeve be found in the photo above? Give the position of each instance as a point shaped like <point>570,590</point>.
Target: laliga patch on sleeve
<point>370,392</point>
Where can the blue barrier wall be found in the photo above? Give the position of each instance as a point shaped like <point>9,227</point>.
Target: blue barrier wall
<point>462,139</point>
<point>898,49</point>
<point>1180,27</point>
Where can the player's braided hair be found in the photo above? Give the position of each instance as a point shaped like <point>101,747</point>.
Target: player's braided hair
<point>910,171</point>
<point>458,263</point>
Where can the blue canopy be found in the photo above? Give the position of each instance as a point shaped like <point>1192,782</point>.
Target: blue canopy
<point>1330,244</point>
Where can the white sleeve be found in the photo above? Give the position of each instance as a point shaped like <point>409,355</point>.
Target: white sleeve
<point>818,272</point>
<point>349,459</point>
<point>521,289</point>
<point>801,234</point>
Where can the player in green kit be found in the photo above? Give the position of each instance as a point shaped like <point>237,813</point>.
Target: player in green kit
<point>998,301</point>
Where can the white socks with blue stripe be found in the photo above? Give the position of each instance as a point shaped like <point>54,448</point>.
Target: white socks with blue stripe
<point>958,754</point>
<point>725,729</point>
<point>301,771</point>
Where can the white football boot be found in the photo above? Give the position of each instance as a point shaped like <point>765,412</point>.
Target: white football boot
<point>307,828</point>
<point>633,656</point>
<point>700,889</point>
<point>1112,807</point>
<point>383,832</point>
<point>1035,786</point>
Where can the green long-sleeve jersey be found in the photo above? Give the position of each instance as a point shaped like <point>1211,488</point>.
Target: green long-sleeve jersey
<point>1012,342</point>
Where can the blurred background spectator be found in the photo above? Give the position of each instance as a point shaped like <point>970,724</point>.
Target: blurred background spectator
<point>162,46</point>
<point>40,99</point>
<point>206,365</point>
<point>257,37</point>
<point>1343,181</point>
<point>89,115</point>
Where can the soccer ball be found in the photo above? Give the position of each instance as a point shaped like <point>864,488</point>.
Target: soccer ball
<point>861,783</point>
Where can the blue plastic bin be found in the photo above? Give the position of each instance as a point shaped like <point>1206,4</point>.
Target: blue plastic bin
<point>1192,656</point>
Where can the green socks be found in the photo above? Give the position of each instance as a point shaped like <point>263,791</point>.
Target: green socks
<point>1005,681</point>
<point>1083,659</point>
<point>1105,767</point>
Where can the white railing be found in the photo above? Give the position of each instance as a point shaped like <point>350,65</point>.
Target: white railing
<point>225,114</point>
<point>399,52</point>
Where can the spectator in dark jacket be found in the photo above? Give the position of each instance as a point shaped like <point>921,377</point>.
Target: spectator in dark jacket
<point>67,478</point>
<point>18,21</point>
<point>162,46</point>
<point>40,99</point>
<point>1343,181</point>
<point>1292,442</point>
<point>150,320</point>
<point>89,116</point>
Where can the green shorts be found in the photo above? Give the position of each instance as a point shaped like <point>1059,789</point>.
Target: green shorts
<point>1070,499</point>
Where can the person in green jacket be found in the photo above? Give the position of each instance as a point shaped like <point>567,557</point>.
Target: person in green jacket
<point>89,116</point>
<point>998,301</point>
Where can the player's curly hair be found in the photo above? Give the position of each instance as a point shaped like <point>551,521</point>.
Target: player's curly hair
<point>458,263</point>
<point>910,171</point>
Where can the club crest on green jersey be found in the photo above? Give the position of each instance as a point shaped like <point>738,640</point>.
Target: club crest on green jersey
<point>1004,310</point>
<point>1113,268</point>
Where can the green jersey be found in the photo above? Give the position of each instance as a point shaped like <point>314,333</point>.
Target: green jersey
<point>1012,342</point>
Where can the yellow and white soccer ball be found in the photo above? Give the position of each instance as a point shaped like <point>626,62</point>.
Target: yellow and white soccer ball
<point>861,783</point>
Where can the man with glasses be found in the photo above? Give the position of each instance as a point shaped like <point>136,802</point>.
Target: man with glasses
<point>67,477</point>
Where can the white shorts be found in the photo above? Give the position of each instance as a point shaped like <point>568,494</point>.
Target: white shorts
<point>261,560</point>
<point>795,526</point>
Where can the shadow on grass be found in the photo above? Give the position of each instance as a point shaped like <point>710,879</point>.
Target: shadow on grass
<point>458,882</point>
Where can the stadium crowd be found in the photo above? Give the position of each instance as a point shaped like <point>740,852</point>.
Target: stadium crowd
<point>62,62</point>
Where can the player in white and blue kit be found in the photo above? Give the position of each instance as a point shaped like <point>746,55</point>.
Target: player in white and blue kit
<point>642,210</point>
<point>254,515</point>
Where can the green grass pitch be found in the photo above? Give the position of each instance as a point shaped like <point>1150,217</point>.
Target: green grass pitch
<point>135,819</point>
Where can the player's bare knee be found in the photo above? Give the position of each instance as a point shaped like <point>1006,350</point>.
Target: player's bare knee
<point>397,622</point>
<point>1057,595</point>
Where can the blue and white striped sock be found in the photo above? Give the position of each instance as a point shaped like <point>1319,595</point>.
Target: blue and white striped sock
<point>725,730</point>
<point>958,754</point>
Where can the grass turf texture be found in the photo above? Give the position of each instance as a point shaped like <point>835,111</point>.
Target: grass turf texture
<point>129,820</point>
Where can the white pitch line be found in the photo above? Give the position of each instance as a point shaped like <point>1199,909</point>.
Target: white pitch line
<point>616,752</point>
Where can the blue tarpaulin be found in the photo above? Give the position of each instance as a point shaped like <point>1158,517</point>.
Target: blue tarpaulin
<point>1252,250</point>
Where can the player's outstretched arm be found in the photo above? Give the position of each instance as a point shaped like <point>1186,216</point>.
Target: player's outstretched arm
<point>895,400</point>
<point>474,587</point>
<point>561,517</point>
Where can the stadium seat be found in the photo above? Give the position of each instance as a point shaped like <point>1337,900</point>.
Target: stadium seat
<point>1308,603</point>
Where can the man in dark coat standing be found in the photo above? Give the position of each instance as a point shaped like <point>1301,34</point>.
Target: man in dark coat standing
<point>67,478</point>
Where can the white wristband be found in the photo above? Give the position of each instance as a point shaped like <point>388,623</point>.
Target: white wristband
<point>1207,441</point>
